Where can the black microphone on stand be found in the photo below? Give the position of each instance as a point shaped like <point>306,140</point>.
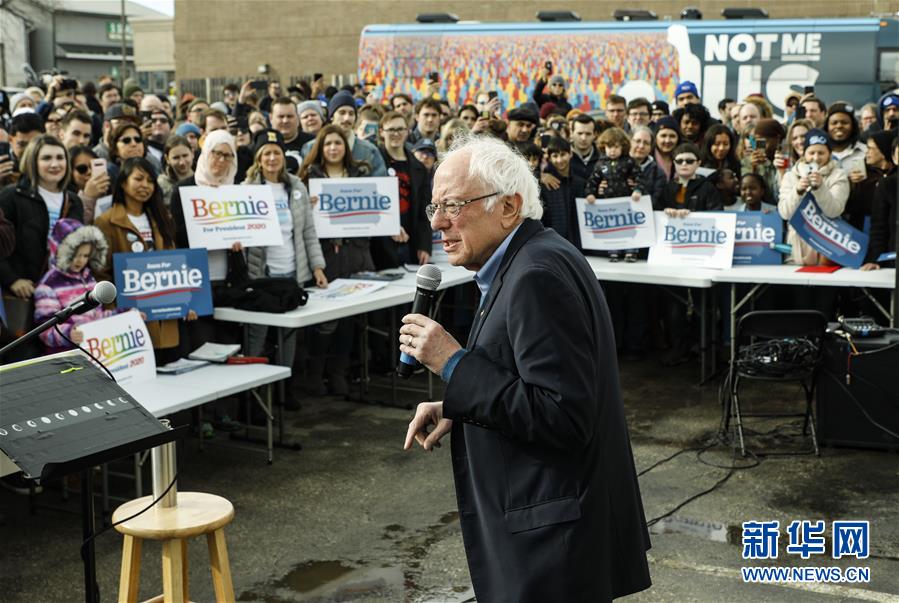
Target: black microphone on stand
<point>427,280</point>
<point>103,292</point>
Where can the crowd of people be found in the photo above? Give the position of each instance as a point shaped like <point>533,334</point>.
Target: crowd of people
<point>92,169</point>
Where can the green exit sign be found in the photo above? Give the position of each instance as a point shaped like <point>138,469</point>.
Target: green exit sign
<point>114,31</point>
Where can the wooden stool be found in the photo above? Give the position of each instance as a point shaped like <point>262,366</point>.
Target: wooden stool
<point>196,513</point>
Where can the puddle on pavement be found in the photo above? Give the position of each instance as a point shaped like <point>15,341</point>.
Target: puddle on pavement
<point>306,577</point>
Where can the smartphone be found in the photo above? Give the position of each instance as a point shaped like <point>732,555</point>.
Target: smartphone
<point>5,152</point>
<point>492,94</point>
<point>259,84</point>
<point>808,90</point>
<point>98,167</point>
<point>485,114</point>
<point>434,77</point>
<point>760,144</point>
<point>549,66</point>
<point>544,140</point>
<point>317,76</point>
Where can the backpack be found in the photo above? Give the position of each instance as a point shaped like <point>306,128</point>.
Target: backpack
<point>274,295</point>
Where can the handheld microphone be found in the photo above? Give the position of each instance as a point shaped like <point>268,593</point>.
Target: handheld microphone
<point>103,293</point>
<point>427,280</point>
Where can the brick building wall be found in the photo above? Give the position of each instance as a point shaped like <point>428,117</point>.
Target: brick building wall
<point>222,38</point>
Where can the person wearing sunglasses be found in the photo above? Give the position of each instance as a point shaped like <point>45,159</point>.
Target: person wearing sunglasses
<point>88,186</point>
<point>686,192</point>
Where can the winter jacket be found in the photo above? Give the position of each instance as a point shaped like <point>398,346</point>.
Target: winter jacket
<point>559,208</point>
<point>384,250</point>
<point>701,195</point>
<point>654,179</point>
<point>850,155</point>
<point>883,218</point>
<point>861,197</point>
<point>580,168</point>
<point>344,257</point>
<point>60,286</point>
<point>541,98</point>
<point>616,173</point>
<point>306,246</point>
<point>116,227</point>
<point>831,197</point>
<point>7,236</point>
<point>27,211</point>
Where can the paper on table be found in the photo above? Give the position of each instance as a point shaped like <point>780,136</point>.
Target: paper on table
<point>182,365</point>
<point>214,352</point>
<point>346,289</point>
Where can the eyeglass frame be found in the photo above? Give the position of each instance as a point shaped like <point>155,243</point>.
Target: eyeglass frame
<point>431,209</point>
<point>214,154</point>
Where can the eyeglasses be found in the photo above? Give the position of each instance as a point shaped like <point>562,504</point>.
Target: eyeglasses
<point>222,156</point>
<point>82,169</point>
<point>395,130</point>
<point>451,209</point>
<point>160,120</point>
<point>53,121</point>
<point>686,161</point>
<point>131,139</point>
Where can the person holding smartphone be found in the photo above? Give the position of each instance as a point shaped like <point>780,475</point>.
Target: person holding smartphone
<point>90,179</point>
<point>551,89</point>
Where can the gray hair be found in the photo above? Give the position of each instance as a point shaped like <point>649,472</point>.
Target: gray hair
<point>502,169</point>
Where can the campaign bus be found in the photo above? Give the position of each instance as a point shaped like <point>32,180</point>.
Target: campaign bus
<point>853,59</point>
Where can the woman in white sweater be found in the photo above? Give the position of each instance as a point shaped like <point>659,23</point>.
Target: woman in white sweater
<point>818,173</point>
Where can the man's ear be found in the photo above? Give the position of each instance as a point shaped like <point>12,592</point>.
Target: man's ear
<point>511,209</point>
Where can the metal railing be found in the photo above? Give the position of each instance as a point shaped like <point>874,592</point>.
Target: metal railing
<point>210,88</point>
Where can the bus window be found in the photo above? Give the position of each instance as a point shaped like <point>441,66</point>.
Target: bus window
<point>889,66</point>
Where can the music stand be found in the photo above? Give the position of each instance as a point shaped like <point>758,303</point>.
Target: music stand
<point>60,415</point>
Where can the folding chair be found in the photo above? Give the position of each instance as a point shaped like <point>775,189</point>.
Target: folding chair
<point>785,345</point>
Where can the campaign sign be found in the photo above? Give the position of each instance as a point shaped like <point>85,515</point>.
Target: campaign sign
<point>831,237</point>
<point>754,233</point>
<point>702,239</point>
<point>356,207</point>
<point>218,217</point>
<point>122,343</point>
<point>164,284</point>
<point>616,223</point>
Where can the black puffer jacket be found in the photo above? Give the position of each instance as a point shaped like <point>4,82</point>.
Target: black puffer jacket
<point>27,211</point>
<point>654,180</point>
<point>883,219</point>
<point>701,195</point>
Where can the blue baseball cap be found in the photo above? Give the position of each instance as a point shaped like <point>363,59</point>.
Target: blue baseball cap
<point>685,87</point>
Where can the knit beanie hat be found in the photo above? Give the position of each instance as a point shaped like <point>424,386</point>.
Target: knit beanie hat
<point>884,141</point>
<point>557,79</point>
<point>817,136</point>
<point>341,99</point>
<point>312,105</point>
<point>666,122</point>
<point>188,128</point>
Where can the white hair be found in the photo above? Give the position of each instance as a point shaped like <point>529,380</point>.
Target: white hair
<point>502,169</point>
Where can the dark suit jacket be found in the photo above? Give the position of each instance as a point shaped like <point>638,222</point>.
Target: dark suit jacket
<point>548,496</point>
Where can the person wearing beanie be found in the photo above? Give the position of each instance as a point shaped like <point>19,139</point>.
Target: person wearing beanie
<point>551,89</point>
<point>342,114</point>
<point>667,137</point>
<point>21,101</point>
<point>312,116</point>
<point>192,133</point>
<point>299,256</point>
<point>79,250</point>
<point>878,164</point>
<point>133,91</point>
<point>889,111</point>
<point>883,211</point>
<point>659,110</point>
<point>686,93</point>
<point>817,172</point>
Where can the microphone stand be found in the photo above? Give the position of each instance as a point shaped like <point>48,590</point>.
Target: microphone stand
<point>61,316</point>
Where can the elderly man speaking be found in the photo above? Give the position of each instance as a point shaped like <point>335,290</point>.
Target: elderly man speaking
<point>548,496</point>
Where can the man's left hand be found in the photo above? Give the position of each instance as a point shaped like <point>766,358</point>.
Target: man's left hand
<point>426,341</point>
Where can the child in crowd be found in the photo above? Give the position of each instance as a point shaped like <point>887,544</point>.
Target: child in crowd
<point>559,210</point>
<point>616,174</point>
<point>79,251</point>
<point>726,181</point>
<point>754,195</point>
<point>688,191</point>
<point>533,154</point>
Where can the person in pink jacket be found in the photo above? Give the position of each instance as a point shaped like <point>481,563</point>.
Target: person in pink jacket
<point>78,249</point>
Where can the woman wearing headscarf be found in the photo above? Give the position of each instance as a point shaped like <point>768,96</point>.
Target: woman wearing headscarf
<point>216,166</point>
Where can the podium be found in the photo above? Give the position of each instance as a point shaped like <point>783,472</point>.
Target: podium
<point>59,415</point>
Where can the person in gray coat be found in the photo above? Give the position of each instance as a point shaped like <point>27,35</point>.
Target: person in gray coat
<point>300,255</point>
